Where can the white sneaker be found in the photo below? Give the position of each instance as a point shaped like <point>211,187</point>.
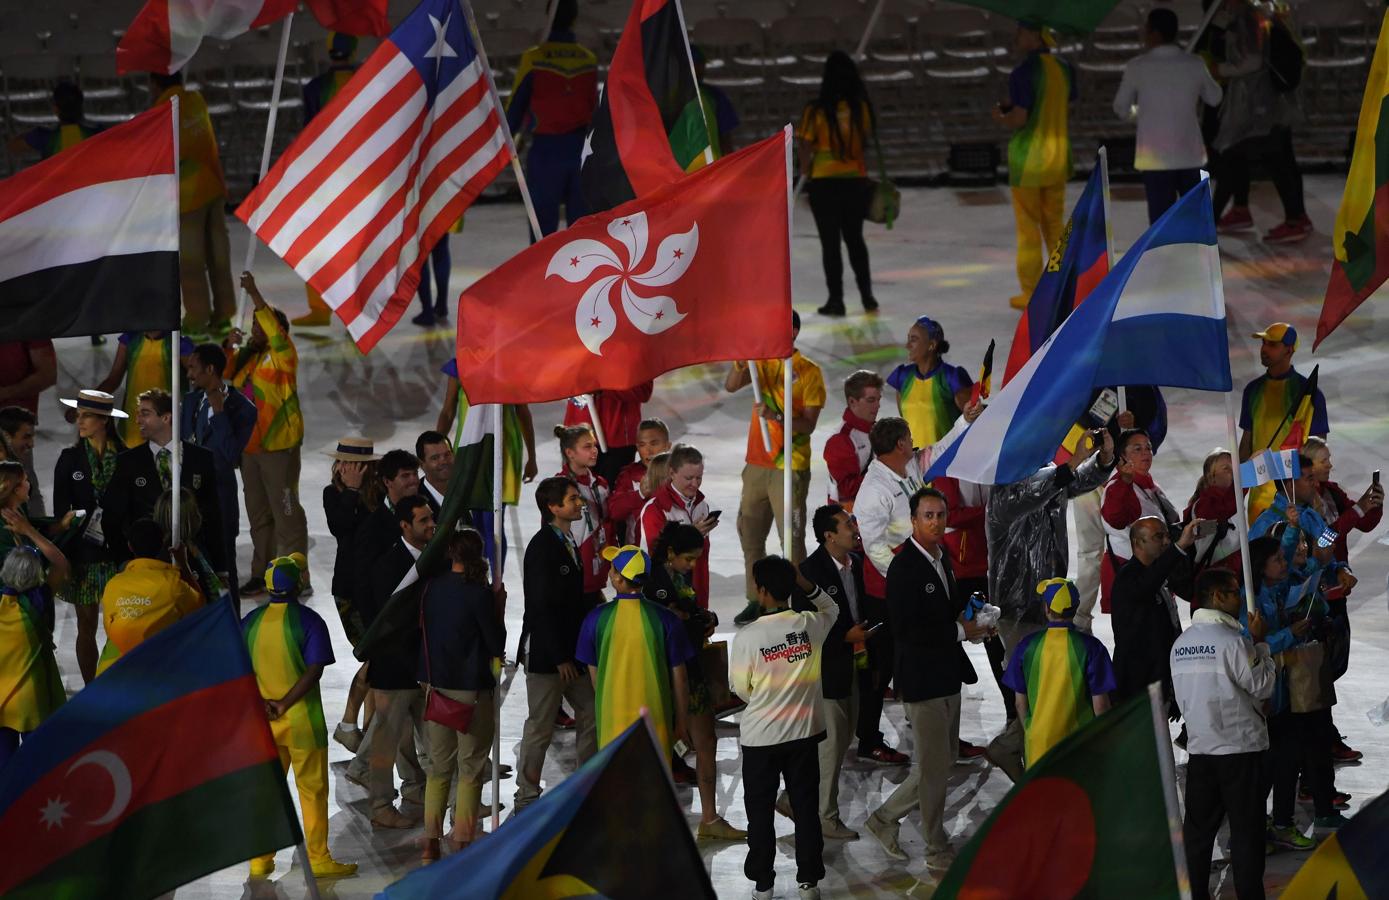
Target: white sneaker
<point>808,892</point>
<point>761,895</point>
<point>349,735</point>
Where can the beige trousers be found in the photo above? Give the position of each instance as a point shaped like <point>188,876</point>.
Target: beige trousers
<point>936,735</point>
<point>465,752</point>
<point>270,480</point>
<point>761,507</point>
<point>543,694</point>
<point>841,716</point>
<point>204,255</point>
<point>398,722</point>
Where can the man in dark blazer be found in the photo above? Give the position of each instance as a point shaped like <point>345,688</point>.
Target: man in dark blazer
<point>391,671</point>
<point>1143,610</point>
<point>219,420</point>
<point>925,610</point>
<point>555,609</point>
<point>143,473</point>
<point>836,567</point>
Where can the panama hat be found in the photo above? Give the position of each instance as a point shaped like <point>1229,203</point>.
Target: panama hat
<point>354,449</point>
<point>99,402</point>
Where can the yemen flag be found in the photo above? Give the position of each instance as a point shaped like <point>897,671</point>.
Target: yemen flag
<point>612,829</point>
<point>1078,263</point>
<point>155,774</point>
<point>698,271</point>
<point>1361,238</point>
<point>1351,863</point>
<point>645,132</point>
<point>166,33</point>
<point>1091,818</point>
<point>89,236</point>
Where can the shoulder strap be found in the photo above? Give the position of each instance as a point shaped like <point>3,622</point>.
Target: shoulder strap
<point>424,636</point>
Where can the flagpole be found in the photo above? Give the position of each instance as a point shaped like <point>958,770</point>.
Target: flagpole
<point>498,535</point>
<point>868,30</point>
<point>588,403</point>
<point>265,155</point>
<point>176,460</point>
<point>1205,23</point>
<point>694,76</point>
<point>301,853</point>
<point>1109,245</point>
<point>757,398</point>
<point>1241,513</point>
<point>788,409</point>
<point>1167,766</point>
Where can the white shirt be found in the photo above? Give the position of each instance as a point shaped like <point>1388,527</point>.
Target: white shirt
<point>414,553</point>
<point>846,578</point>
<point>438,497</point>
<point>1167,84</point>
<point>155,449</point>
<point>774,665</point>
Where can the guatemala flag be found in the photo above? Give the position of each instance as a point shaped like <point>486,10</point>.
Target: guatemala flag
<point>1158,318</point>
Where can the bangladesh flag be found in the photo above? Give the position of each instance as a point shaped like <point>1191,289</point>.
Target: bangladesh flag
<point>155,774</point>
<point>1095,817</point>
<point>648,130</point>
<point>1361,237</point>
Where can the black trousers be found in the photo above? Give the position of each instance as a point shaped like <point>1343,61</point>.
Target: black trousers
<point>1221,787</point>
<point>839,206</point>
<point>1274,149</point>
<point>764,768</point>
<point>873,680</point>
<point>1299,743</point>
<point>1165,187</point>
<point>993,647</point>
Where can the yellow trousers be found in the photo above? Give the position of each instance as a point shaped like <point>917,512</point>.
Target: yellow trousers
<point>310,765</point>
<point>1040,213</point>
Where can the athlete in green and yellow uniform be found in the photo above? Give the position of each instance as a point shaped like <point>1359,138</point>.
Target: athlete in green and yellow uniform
<point>290,647</point>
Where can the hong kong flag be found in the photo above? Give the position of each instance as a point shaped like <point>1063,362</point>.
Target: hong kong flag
<point>696,271</point>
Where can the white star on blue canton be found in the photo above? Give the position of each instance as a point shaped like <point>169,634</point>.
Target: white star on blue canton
<point>441,47</point>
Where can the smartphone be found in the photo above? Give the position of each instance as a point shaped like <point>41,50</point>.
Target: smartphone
<point>872,629</point>
<point>1207,528</point>
<point>1375,479</point>
<point>714,514</point>
<point>79,513</point>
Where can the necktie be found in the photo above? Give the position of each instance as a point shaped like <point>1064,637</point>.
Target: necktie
<point>165,475</point>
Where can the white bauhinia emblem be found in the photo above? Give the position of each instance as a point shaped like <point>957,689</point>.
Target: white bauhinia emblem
<point>595,320</point>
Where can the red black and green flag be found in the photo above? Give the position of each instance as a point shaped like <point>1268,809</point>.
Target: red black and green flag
<point>649,129</point>
<point>1095,817</point>
<point>612,829</point>
<point>1361,237</point>
<point>155,774</point>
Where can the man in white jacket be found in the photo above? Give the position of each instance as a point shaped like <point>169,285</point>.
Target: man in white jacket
<point>1221,678</point>
<point>883,512</point>
<point>775,666</point>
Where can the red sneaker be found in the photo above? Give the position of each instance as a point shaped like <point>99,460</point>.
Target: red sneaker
<point>1339,800</point>
<point>969,751</point>
<point>1344,754</point>
<point>887,756</point>
<point>1236,220</point>
<point>1290,232</point>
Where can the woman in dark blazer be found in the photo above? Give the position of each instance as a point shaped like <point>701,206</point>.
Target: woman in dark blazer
<point>80,479</point>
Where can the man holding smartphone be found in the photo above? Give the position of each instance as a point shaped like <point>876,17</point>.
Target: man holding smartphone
<point>836,567</point>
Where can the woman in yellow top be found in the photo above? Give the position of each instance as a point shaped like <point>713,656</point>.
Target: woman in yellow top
<point>834,130</point>
<point>142,361</point>
<point>204,250</point>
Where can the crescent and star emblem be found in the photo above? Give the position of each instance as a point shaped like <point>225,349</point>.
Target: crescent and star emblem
<point>56,809</point>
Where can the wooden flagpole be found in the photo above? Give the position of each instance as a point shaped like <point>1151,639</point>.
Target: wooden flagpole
<point>252,241</point>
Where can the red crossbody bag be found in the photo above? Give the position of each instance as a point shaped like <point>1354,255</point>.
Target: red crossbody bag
<point>439,709</point>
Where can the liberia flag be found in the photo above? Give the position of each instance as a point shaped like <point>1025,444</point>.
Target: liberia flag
<point>367,189</point>
<point>166,33</point>
<point>89,237</point>
<point>158,772</point>
<point>697,271</point>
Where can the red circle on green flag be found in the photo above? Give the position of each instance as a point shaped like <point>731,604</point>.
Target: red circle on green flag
<point>1041,846</point>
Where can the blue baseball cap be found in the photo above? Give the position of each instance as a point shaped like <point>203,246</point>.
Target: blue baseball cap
<point>931,327</point>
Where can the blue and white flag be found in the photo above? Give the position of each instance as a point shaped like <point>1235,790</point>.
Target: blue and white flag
<point>1269,465</point>
<point>1158,318</point>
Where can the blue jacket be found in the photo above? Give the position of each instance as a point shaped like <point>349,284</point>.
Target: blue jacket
<point>1277,604</point>
<point>224,434</point>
